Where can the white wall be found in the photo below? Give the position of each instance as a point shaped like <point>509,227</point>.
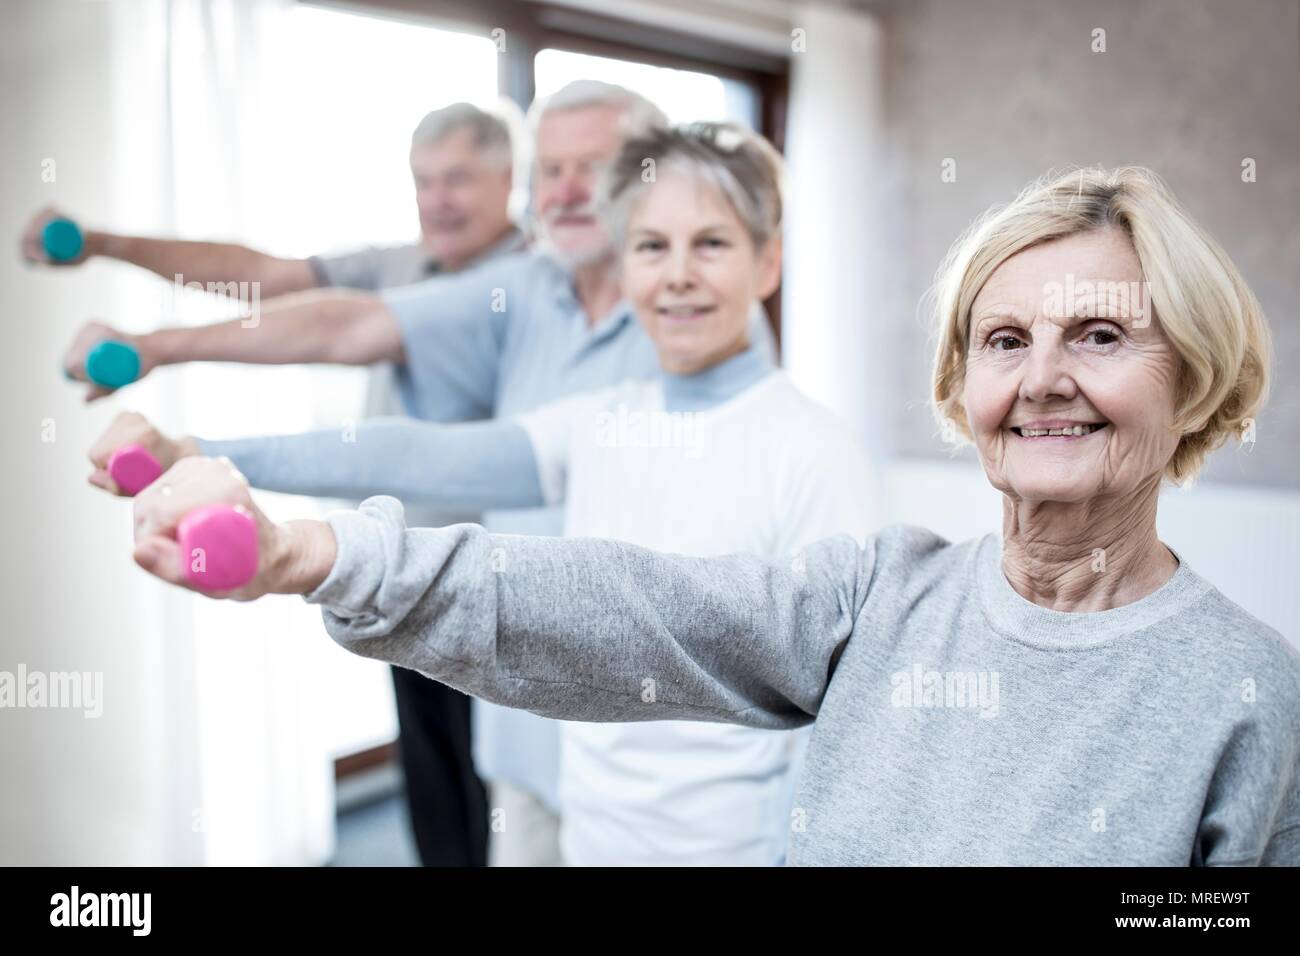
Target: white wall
<point>1243,540</point>
<point>831,341</point>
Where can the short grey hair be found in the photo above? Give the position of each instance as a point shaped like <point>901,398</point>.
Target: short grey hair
<point>741,164</point>
<point>640,116</point>
<point>491,133</point>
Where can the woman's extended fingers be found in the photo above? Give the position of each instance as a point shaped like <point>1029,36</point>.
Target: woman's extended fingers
<point>101,479</point>
<point>161,557</point>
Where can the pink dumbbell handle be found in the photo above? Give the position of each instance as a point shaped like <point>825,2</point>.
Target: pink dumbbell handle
<point>218,547</point>
<point>133,468</point>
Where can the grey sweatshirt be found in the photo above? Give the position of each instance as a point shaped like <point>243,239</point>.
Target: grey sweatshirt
<point>954,721</point>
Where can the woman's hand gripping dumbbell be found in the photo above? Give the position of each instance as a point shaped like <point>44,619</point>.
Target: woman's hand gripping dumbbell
<point>132,453</point>
<point>198,527</point>
<point>196,524</point>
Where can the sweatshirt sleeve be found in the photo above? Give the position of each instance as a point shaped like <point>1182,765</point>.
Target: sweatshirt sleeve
<point>588,629</point>
<point>1255,821</point>
<point>1283,847</point>
<point>474,465</point>
<point>1251,814</point>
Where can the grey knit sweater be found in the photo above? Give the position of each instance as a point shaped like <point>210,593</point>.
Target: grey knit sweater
<point>955,722</point>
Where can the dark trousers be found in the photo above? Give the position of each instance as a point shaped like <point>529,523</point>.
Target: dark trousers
<point>447,801</point>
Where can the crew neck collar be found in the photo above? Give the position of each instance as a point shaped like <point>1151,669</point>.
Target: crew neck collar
<point>716,384</point>
<point>1020,619</point>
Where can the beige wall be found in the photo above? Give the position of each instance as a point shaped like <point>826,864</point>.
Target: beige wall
<point>1010,88</point>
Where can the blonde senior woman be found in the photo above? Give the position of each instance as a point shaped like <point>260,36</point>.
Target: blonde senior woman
<point>1070,692</point>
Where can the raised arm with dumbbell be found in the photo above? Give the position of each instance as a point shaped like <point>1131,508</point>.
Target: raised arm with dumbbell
<point>53,238</point>
<point>329,326</point>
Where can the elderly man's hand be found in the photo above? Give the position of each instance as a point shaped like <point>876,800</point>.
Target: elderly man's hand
<point>132,428</point>
<point>32,244</point>
<point>91,334</point>
<point>293,558</point>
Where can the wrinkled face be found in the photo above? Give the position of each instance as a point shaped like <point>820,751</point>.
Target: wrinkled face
<point>691,271</point>
<point>1065,405</point>
<point>573,146</point>
<point>463,200</point>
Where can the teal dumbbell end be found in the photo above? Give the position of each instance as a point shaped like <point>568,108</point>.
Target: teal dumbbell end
<point>113,364</point>
<point>62,239</point>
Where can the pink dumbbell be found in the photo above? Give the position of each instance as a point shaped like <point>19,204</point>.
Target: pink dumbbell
<point>218,547</point>
<point>133,468</point>
<point>218,543</point>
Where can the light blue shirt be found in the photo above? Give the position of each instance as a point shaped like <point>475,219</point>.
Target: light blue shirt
<point>495,341</point>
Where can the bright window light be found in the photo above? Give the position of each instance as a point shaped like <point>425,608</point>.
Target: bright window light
<point>684,95</point>
<point>346,91</point>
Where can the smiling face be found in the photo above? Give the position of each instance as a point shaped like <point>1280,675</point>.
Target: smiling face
<point>462,197</point>
<point>692,273</point>
<point>573,147</point>
<point>1063,406</point>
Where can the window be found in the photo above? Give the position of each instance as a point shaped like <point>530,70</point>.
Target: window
<point>345,91</point>
<point>685,95</point>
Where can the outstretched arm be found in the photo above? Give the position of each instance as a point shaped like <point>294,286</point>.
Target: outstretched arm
<point>335,326</point>
<point>576,628</point>
<point>222,265</point>
<point>587,629</point>
<point>474,465</point>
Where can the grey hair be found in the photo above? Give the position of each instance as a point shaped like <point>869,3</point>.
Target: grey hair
<point>491,133</point>
<point>741,164</point>
<point>640,116</point>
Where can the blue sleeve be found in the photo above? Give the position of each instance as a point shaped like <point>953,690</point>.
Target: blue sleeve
<point>474,466</point>
<point>351,270</point>
<point>453,331</point>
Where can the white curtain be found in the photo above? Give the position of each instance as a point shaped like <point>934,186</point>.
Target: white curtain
<point>283,127</point>
<point>191,119</point>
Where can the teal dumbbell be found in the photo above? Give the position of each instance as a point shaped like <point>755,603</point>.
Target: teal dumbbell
<point>113,364</point>
<point>62,239</point>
